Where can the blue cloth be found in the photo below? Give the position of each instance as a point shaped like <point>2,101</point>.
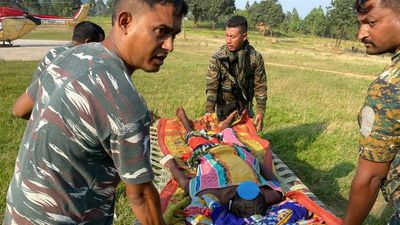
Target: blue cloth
<point>222,216</point>
<point>288,212</point>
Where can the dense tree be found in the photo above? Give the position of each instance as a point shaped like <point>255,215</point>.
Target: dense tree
<point>66,8</point>
<point>291,22</point>
<point>47,8</point>
<point>342,19</point>
<point>295,24</point>
<point>247,7</point>
<point>32,6</point>
<point>267,11</point>
<point>244,13</point>
<point>315,22</point>
<point>101,8</point>
<point>218,8</point>
<point>284,26</point>
<point>110,4</point>
<point>197,9</point>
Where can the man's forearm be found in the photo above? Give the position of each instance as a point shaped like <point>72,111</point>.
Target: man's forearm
<point>177,174</point>
<point>212,83</point>
<point>145,203</point>
<point>23,106</point>
<point>261,104</point>
<point>211,101</point>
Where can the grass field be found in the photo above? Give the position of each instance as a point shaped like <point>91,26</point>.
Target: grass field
<point>315,93</point>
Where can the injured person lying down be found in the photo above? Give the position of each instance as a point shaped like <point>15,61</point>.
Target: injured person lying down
<point>230,181</point>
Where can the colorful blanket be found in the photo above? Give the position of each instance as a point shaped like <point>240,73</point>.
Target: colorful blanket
<point>224,166</point>
<point>171,138</point>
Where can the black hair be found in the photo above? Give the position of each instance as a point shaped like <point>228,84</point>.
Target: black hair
<point>180,6</point>
<point>87,30</point>
<point>237,21</point>
<point>359,5</point>
<point>245,208</point>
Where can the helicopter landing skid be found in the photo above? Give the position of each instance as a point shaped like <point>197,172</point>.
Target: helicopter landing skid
<point>10,44</point>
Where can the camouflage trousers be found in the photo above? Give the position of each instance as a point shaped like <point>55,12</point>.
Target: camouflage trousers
<point>395,219</point>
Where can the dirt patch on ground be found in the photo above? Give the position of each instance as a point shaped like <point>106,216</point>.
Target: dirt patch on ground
<point>324,71</point>
<point>24,49</point>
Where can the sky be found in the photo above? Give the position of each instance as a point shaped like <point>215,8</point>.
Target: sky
<point>303,7</point>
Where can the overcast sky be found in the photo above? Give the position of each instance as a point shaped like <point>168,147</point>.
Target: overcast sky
<point>303,6</point>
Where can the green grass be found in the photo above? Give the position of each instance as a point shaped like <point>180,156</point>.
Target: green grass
<point>311,118</point>
<point>14,78</point>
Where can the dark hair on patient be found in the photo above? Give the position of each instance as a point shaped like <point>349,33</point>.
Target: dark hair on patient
<point>237,21</point>
<point>87,30</point>
<point>245,208</point>
<point>134,6</point>
<point>359,5</point>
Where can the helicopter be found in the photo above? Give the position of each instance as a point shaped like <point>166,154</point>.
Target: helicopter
<point>15,23</point>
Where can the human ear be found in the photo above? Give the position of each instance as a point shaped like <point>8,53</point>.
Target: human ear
<point>123,20</point>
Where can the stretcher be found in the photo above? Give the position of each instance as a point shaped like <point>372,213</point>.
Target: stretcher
<point>168,137</point>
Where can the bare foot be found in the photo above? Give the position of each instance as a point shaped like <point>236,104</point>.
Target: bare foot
<point>181,114</point>
<point>227,122</point>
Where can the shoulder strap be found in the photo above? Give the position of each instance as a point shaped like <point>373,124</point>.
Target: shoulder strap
<point>233,78</point>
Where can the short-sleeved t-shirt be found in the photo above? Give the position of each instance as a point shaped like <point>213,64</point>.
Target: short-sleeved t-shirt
<point>49,57</point>
<point>379,121</point>
<point>89,128</point>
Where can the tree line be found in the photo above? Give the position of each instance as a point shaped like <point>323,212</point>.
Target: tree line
<point>339,20</point>
<point>60,7</point>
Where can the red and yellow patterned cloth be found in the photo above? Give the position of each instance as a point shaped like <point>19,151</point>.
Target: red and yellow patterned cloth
<point>171,138</point>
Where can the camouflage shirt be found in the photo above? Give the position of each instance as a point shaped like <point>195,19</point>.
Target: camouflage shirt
<point>89,128</point>
<point>49,57</point>
<point>219,85</point>
<point>379,120</point>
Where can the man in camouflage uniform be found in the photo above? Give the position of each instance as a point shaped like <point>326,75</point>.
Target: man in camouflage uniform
<point>236,74</point>
<point>89,128</point>
<point>379,119</point>
<point>84,32</point>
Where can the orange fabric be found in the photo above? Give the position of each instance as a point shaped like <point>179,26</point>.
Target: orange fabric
<point>303,199</point>
<point>196,141</point>
<point>167,192</point>
<point>171,138</point>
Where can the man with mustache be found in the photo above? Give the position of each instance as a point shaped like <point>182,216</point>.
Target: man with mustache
<point>236,75</point>
<point>89,127</point>
<point>379,119</point>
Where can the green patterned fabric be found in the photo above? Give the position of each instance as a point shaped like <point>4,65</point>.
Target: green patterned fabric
<point>379,121</point>
<point>247,67</point>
